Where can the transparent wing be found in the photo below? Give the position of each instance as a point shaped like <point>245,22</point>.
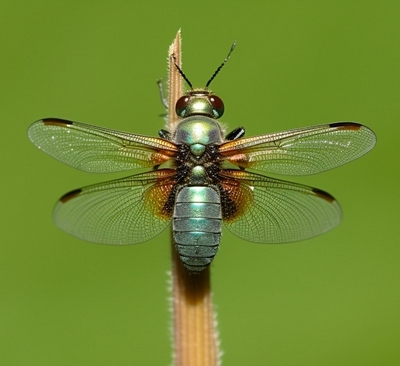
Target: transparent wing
<point>303,151</point>
<point>122,211</point>
<point>266,210</point>
<point>96,149</point>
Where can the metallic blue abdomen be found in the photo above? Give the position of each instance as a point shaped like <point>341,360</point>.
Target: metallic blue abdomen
<point>197,225</point>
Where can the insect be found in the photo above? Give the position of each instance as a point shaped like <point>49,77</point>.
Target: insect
<point>198,177</point>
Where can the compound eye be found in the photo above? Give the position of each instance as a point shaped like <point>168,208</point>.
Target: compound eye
<point>217,105</point>
<point>181,105</point>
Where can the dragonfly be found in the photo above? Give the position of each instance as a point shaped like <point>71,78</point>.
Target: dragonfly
<point>199,177</point>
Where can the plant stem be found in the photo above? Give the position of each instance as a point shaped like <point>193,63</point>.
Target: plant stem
<point>194,328</point>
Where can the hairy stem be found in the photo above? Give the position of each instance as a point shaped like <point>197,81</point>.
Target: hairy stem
<point>194,328</point>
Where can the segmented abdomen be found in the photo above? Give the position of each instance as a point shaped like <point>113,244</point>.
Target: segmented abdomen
<point>197,225</point>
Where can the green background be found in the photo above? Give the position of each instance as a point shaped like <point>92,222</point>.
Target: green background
<point>332,300</point>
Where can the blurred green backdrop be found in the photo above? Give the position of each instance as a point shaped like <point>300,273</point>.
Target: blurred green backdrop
<point>332,300</point>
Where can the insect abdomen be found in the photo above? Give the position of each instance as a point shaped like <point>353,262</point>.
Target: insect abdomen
<point>197,226</point>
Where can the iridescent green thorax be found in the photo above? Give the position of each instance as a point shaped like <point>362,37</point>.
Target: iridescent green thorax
<point>196,131</point>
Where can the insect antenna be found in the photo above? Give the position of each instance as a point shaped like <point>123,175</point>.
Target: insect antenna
<point>181,72</point>
<point>222,65</point>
